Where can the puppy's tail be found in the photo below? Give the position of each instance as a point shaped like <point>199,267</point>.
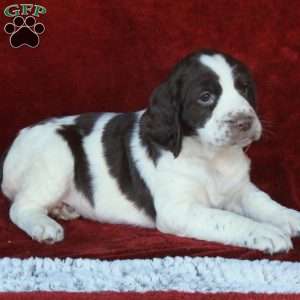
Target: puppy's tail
<point>2,158</point>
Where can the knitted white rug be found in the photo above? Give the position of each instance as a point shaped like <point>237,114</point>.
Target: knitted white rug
<point>179,273</point>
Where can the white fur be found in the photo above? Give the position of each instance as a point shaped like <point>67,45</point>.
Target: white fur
<point>205,193</point>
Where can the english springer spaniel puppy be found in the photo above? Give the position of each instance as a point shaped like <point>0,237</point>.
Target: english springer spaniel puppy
<point>178,165</point>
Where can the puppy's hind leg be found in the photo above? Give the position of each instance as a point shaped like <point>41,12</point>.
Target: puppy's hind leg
<point>34,221</point>
<point>32,203</point>
<point>38,174</point>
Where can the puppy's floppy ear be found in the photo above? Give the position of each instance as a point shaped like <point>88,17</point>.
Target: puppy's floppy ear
<point>161,121</point>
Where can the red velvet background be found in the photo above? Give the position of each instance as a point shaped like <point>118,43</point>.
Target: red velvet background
<point>109,55</point>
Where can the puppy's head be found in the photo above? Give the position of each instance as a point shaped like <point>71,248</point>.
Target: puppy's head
<point>208,95</point>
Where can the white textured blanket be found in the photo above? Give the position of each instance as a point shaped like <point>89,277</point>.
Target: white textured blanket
<point>179,273</point>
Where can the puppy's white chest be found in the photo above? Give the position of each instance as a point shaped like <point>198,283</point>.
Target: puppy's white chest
<point>213,179</point>
<point>228,172</point>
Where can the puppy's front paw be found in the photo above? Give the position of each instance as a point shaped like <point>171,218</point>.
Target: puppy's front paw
<point>268,238</point>
<point>288,220</point>
<point>47,231</point>
<point>293,220</point>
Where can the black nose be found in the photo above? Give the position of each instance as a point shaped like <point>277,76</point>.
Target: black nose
<point>241,122</point>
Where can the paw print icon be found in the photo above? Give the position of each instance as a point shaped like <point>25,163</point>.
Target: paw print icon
<point>24,31</point>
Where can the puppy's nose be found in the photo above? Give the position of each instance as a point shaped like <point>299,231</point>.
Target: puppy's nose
<point>241,122</point>
<point>244,124</point>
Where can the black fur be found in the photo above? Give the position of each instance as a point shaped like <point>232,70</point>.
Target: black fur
<point>245,84</point>
<point>86,122</point>
<point>160,123</point>
<point>74,134</point>
<point>116,142</point>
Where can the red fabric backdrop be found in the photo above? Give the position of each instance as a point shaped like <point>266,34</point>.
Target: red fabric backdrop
<point>109,55</point>
<point>145,296</point>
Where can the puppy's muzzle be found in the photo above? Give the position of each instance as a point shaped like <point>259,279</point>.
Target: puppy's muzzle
<point>241,128</point>
<point>240,123</point>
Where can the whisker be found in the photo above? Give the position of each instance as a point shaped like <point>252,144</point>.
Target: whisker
<point>267,136</point>
<point>268,131</point>
<point>266,122</point>
<point>247,148</point>
<point>267,125</point>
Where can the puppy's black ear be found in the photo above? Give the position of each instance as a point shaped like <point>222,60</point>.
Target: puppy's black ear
<point>161,121</point>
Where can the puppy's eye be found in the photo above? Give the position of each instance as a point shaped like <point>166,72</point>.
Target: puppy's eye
<point>206,98</point>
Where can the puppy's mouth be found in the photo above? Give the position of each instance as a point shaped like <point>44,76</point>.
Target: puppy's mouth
<point>246,140</point>
<point>241,141</point>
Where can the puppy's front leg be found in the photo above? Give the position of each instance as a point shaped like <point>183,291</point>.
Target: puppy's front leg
<point>196,221</point>
<point>259,206</point>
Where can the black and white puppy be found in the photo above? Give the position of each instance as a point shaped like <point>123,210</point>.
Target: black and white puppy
<point>177,166</point>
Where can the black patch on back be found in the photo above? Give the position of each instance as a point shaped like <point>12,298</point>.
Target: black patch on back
<point>86,122</point>
<point>116,142</point>
<point>73,135</point>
